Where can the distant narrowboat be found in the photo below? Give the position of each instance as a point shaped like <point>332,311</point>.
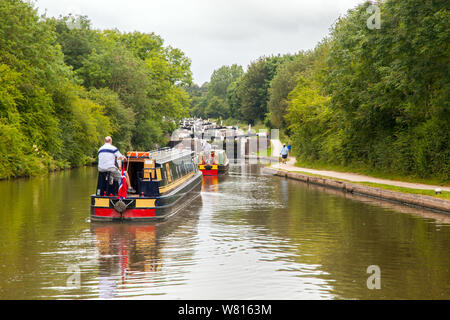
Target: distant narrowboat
<point>217,163</point>
<point>166,180</point>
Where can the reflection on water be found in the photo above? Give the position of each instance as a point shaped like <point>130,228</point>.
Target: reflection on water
<point>211,183</point>
<point>249,236</point>
<point>124,250</point>
<point>131,256</point>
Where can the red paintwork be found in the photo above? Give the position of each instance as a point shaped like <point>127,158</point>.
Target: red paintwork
<point>131,213</point>
<point>121,240</point>
<point>138,213</point>
<point>210,172</point>
<point>106,212</point>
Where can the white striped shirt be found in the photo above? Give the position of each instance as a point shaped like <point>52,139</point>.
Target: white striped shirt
<point>107,155</point>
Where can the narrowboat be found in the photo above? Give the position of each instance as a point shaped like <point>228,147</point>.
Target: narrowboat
<point>163,182</point>
<point>216,164</point>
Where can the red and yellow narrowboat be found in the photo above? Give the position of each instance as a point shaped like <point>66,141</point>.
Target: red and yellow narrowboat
<point>217,163</point>
<point>163,181</point>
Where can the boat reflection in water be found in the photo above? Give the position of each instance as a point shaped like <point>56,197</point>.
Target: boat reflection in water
<point>131,254</point>
<point>210,184</point>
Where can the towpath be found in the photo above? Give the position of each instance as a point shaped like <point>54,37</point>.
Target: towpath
<point>290,166</point>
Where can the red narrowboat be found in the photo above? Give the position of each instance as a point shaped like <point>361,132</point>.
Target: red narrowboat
<point>217,163</point>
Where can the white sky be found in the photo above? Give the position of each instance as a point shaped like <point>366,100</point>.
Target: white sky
<point>213,33</point>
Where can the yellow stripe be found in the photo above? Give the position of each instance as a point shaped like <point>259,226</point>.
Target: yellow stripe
<point>175,183</point>
<point>145,203</point>
<point>101,202</point>
<point>213,167</point>
<point>158,174</point>
<point>169,176</point>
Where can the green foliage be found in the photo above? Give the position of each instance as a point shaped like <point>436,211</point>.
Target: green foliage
<point>251,92</point>
<point>217,108</point>
<point>310,117</point>
<point>376,99</point>
<point>148,79</point>
<point>76,38</point>
<point>233,101</point>
<point>371,99</point>
<point>15,152</point>
<point>198,101</point>
<point>214,99</point>
<point>122,118</point>
<point>253,89</point>
<point>233,94</point>
<point>29,128</point>
<point>282,84</point>
<point>64,86</point>
<point>222,78</point>
<point>388,93</point>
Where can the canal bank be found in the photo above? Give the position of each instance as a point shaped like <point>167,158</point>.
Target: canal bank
<point>417,200</point>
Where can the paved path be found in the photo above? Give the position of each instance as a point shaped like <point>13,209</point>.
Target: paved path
<point>276,147</point>
<point>289,166</point>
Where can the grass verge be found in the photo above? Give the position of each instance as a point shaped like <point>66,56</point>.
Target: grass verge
<point>444,195</point>
<point>373,173</point>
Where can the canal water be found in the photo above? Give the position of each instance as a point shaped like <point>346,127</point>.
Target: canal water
<point>248,236</point>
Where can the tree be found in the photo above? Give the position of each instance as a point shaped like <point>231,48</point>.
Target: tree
<point>216,108</point>
<point>388,89</point>
<point>222,78</point>
<point>148,78</point>
<point>233,101</point>
<point>76,38</point>
<point>253,91</point>
<point>283,83</point>
<point>64,86</point>
<point>122,118</point>
<point>390,84</point>
<point>310,120</point>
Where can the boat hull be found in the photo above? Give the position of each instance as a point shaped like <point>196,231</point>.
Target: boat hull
<point>213,170</point>
<point>144,208</point>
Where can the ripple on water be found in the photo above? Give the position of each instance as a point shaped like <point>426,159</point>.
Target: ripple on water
<point>247,237</point>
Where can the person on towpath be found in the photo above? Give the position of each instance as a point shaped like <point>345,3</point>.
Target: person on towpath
<point>284,154</point>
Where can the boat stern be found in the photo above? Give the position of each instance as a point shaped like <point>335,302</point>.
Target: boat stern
<point>209,170</point>
<point>111,208</point>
